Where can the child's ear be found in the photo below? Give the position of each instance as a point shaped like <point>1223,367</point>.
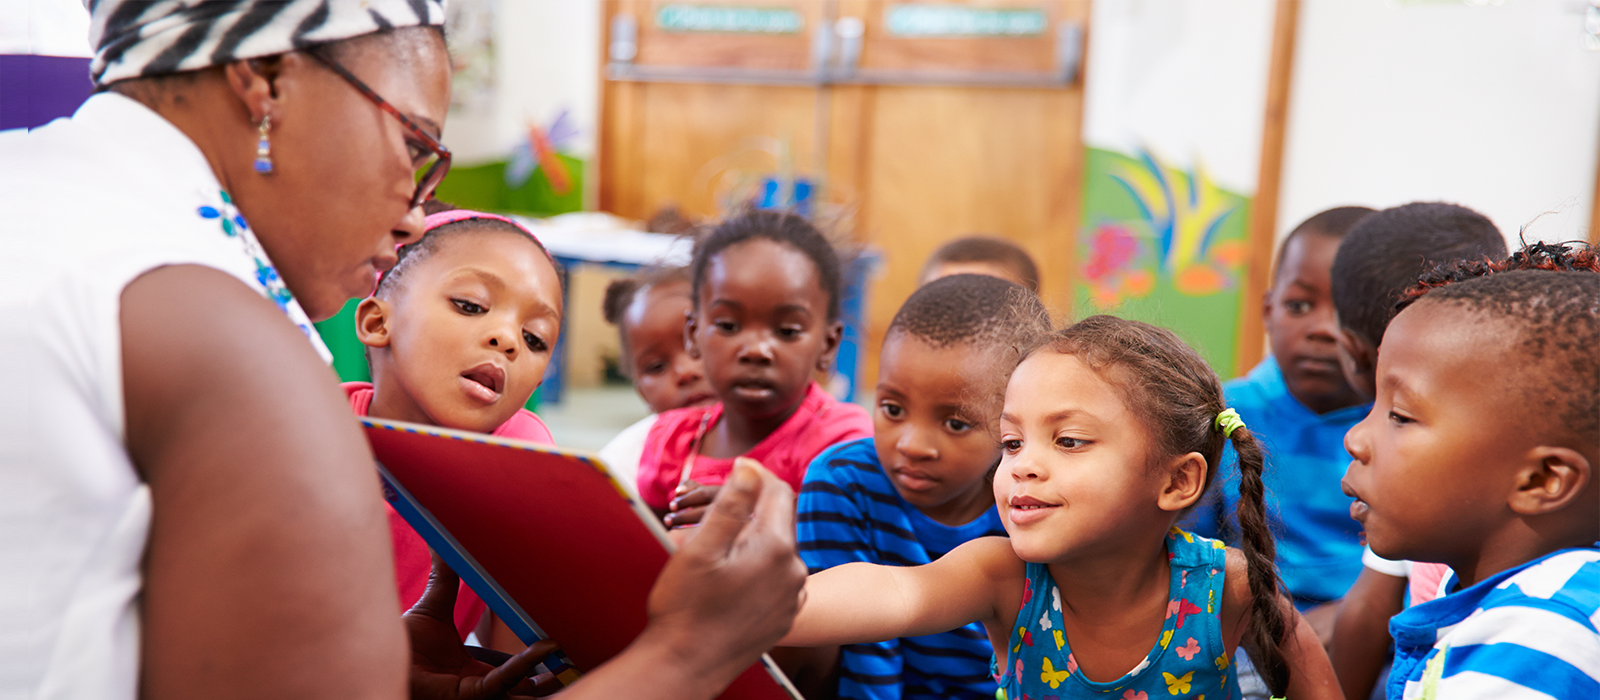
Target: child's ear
<point>372,322</point>
<point>1185,482</point>
<point>1556,476</point>
<point>830,345</point>
<point>691,327</point>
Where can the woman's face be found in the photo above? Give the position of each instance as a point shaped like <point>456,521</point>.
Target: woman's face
<point>339,198</point>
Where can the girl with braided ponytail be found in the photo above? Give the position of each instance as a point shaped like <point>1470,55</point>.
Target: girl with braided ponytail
<point>1111,431</point>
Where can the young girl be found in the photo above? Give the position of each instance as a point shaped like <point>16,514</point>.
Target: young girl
<point>765,321</point>
<point>458,334</point>
<point>1109,433</point>
<point>649,310</point>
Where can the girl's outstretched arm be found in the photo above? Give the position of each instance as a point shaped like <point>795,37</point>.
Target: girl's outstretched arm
<point>857,603</point>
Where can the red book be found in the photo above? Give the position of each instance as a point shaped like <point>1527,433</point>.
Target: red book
<point>546,536</point>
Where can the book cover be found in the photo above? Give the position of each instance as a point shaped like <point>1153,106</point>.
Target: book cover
<point>546,536</point>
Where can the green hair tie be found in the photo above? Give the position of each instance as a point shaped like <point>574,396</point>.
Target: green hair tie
<point>1229,421</point>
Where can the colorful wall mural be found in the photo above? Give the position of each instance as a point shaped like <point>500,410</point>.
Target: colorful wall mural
<point>1162,245</point>
<point>1174,102</point>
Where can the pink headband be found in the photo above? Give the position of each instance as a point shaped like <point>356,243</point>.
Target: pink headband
<point>434,221</point>
<point>442,218</point>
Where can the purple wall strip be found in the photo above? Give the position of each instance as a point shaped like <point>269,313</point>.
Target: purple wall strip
<point>36,89</point>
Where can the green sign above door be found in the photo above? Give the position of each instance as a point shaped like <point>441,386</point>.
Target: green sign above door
<point>930,20</point>
<point>729,20</point>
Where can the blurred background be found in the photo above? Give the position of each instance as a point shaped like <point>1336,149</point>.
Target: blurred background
<point>1148,153</point>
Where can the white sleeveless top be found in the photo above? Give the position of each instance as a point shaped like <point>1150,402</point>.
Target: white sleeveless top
<point>88,204</point>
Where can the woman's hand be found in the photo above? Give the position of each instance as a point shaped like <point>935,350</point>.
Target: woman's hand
<point>441,668</point>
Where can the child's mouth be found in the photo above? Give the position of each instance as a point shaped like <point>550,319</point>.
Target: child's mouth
<point>484,382</point>
<point>1027,509</point>
<point>753,390</point>
<point>1358,508</point>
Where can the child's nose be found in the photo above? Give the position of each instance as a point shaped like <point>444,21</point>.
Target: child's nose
<point>1024,467</point>
<point>1355,441</point>
<point>915,444</point>
<point>499,341</point>
<point>758,350</point>
<point>1324,326</point>
<point>688,370</point>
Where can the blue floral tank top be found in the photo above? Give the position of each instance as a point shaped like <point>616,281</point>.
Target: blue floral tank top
<point>1188,660</point>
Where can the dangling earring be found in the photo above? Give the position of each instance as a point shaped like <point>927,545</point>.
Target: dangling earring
<point>264,148</point>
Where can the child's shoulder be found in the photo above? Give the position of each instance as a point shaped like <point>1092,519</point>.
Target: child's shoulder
<point>524,425</point>
<point>679,421</point>
<point>1566,582</point>
<point>847,419</point>
<point>858,456</point>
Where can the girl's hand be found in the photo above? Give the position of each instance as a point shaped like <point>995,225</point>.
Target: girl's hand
<point>689,504</point>
<point>441,668</point>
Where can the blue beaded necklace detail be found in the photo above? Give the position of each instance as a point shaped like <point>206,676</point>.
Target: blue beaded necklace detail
<point>234,226</point>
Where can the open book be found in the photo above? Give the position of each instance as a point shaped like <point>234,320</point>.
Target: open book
<point>544,535</point>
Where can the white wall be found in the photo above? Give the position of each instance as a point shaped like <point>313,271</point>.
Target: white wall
<point>547,59</point>
<point>1494,107</point>
<point>1186,80</point>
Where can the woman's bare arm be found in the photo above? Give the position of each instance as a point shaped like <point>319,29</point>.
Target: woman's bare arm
<point>860,602</point>
<point>268,572</point>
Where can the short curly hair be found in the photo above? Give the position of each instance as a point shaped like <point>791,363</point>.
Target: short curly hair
<point>1550,297</point>
<point>976,309</point>
<point>1385,253</point>
<point>783,227</point>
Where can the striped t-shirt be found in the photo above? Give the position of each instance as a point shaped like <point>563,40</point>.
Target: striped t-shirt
<point>849,511</point>
<point>1526,632</point>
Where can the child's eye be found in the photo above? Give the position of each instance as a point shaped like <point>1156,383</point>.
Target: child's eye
<point>468,307</point>
<point>534,342</point>
<point>726,326</point>
<point>655,368</point>
<point>1070,443</point>
<point>1298,308</point>
<point>892,410</point>
<point>790,333</point>
<point>956,425</point>
<point>1399,419</point>
<point>1011,447</point>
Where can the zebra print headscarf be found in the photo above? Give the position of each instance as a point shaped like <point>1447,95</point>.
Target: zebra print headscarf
<point>137,38</point>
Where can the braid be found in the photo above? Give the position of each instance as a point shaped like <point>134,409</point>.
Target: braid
<point>1179,398</point>
<point>1269,626</point>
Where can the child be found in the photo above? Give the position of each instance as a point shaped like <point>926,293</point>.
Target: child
<point>1480,453</point>
<point>1108,434</point>
<point>1298,404</point>
<point>458,335</point>
<point>921,485</point>
<point>1382,256</point>
<point>1378,260</point>
<point>982,255</point>
<point>649,310</point>
<point>765,321</point>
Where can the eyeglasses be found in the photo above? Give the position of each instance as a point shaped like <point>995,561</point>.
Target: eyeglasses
<point>438,163</point>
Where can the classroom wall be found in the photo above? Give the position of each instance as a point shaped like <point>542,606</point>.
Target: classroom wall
<point>1493,106</point>
<point>546,54</point>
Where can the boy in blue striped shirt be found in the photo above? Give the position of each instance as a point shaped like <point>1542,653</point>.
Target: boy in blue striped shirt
<point>1480,453</point>
<point>920,486</point>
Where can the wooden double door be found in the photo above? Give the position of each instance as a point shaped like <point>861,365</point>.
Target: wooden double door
<point>917,122</point>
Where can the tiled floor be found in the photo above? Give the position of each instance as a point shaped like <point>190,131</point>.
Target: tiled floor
<point>588,418</point>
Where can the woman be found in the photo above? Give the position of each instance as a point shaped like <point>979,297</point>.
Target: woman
<point>186,506</point>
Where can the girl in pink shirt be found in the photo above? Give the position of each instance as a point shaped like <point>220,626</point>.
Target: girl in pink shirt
<point>458,335</point>
<point>765,321</point>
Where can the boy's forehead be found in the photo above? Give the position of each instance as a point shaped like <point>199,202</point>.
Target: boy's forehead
<point>1431,346</point>
<point>979,364</point>
<point>1308,255</point>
